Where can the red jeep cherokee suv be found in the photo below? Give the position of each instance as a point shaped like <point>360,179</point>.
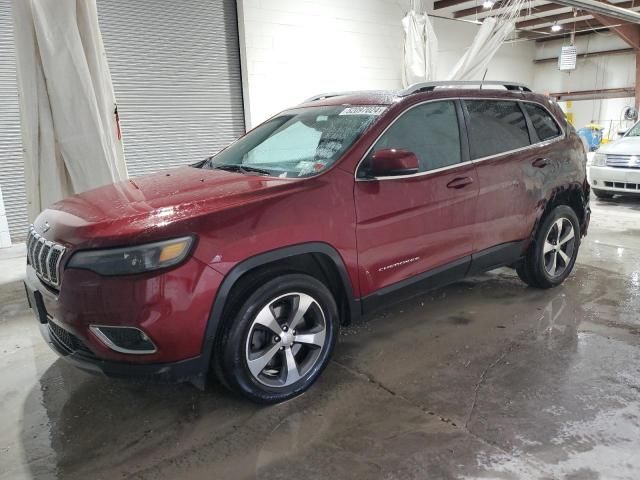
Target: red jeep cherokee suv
<point>247,263</point>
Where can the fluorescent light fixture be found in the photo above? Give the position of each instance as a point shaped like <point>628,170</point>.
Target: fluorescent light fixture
<point>488,4</point>
<point>556,28</point>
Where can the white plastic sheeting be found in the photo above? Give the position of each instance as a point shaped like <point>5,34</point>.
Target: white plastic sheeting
<point>420,47</point>
<point>70,135</point>
<point>486,43</point>
<point>490,37</point>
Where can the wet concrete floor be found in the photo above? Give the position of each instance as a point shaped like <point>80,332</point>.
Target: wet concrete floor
<point>482,379</point>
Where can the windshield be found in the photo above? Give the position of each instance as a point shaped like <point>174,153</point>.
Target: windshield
<point>297,143</point>
<point>634,131</point>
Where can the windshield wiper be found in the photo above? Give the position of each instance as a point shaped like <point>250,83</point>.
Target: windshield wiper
<point>240,168</point>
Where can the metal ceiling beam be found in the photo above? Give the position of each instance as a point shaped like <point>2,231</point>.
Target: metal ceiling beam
<point>633,4</point>
<point>468,12</point>
<point>581,56</point>
<point>550,19</point>
<point>567,29</point>
<point>590,94</point>
<point>629,33</point>
<point>602,8</point>
<point>438,4</point>
<point>541,38</point>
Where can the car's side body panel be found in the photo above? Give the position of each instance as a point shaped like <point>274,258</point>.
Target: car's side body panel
<point>409,226</point>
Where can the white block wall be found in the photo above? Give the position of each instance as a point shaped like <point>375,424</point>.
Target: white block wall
<point>292,49</point>
<point>5,239</point>
<point>609,71</point>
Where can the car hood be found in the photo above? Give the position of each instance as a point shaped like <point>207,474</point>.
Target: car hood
<point>623,146</point>
<point>141,205</point>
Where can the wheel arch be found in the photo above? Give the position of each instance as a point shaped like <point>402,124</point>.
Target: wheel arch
<point>575,196</point>
<point>318,259</point>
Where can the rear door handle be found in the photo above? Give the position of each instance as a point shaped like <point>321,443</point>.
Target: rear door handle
<point>460,182</point>
<point>541,162</point>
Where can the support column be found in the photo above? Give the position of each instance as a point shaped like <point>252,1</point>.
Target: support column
<point>637,81</point>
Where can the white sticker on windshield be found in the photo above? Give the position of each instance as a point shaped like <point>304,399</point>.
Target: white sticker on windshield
<point>364,110</point>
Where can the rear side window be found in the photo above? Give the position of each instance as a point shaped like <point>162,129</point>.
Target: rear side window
<point>496,126</point>
<point>543,123</point>
<point>430,131</point>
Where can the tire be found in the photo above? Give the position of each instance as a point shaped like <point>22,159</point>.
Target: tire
<point>602,194</point>
<point>556,240</point>
<point>262,358</point>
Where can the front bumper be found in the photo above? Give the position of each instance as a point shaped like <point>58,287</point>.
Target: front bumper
<point>172,308</point>
<point>615,180</point>
<point>191,370</point>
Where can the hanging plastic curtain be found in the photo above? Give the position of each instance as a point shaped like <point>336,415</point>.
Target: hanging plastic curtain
<point>420,46</point>
<point>490,37</point>
<point>70,132</point>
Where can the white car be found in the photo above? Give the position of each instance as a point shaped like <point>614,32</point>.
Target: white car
<point>615,169</point>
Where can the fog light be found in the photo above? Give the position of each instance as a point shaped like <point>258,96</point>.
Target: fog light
<point>129,340</point>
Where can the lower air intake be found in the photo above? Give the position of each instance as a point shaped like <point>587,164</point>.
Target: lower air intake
<point>129,340</point>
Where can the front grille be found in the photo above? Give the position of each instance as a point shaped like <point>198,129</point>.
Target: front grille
<point>623,185</point>
<point>45,257</point>
<point>69,340</point>
<point>623,161</point>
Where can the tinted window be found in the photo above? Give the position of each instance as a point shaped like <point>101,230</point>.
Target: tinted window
<point>496,127</point>
<point>430,131</point>
<point>544,125</point>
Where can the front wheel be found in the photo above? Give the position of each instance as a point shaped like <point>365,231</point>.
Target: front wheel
<point>280,339</point>
<point>554,250</point>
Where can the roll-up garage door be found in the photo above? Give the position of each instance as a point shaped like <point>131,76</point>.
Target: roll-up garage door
<point>11,164</point>
<point>176,73</point>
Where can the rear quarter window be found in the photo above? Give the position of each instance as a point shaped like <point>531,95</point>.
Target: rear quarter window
<point>543,123</point>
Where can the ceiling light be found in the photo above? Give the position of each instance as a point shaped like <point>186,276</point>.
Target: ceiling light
<point>556,28</point>
<point>488,4</point>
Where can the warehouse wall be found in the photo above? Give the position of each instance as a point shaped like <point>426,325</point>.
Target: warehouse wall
<point>608,71</point>
<point>292,49</point>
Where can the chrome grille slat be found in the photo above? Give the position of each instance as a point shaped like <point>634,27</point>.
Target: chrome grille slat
<point>45,257</point>
<point>623,161</point>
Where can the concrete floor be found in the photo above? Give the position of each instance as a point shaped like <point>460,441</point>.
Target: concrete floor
<point>482,379</point>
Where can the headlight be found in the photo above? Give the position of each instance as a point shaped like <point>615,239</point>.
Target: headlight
<point>599,160</point>
<point>136,259</point>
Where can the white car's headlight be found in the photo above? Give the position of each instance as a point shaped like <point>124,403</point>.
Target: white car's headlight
<point>599,160</point>
<point>135,259</point>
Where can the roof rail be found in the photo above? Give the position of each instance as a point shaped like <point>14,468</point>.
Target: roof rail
<point>430,86</point>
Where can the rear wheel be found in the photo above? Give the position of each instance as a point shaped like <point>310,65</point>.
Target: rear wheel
<point>602,194</point>
<point>280,339</point>
<point>553,253</point>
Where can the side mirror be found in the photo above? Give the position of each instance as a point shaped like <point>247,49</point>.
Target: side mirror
<point>392,161</point>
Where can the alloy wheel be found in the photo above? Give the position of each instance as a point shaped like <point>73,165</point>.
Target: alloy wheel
<point>285,339</point>
<point>559,247</point>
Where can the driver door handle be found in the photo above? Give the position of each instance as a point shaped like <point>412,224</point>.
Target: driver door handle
<point>460,182</point>
<point>541,162</point>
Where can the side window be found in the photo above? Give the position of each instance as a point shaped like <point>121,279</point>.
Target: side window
<point>430,131</point>
<point>543,123</point>
<point>496,126</point>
